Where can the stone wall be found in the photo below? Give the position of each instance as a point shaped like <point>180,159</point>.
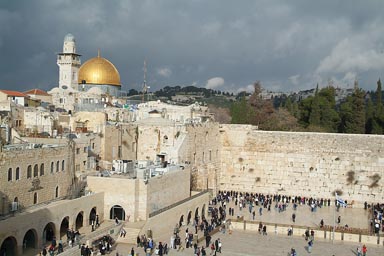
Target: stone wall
<point>307,164</point>
<point>167,189</point>
<point>204,154</point>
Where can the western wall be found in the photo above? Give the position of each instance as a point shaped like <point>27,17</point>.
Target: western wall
<point>302,164</point>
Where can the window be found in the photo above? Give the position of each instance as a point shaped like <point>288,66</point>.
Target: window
<point>35,170</point>
<point>41,169</point>
<point>52,167</point>
<point>62,165</point>
<point>57,192</point>
<point>17,173</point>
<point>10,174</point>
<point>29,172</point>
<point>57,166</point>
<point>35,198</point>
<point>210,155</point>
<point>78,151</point>
<point>85,149</point>
<point>93,145</point>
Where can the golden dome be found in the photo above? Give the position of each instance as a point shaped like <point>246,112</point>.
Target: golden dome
<point>99,71</point>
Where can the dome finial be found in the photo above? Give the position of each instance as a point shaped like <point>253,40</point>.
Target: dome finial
<point>98,53</point>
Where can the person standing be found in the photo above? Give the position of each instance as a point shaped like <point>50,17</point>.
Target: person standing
<point>364,250</point>
<point>358,250</point>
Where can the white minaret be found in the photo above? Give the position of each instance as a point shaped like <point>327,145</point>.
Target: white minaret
<point>69,63</point>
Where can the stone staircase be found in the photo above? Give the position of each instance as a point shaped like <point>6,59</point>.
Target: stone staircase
<point>133,229</point>
<point>130,236</point>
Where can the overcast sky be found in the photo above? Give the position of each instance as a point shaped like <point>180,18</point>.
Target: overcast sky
<point>225,45</point>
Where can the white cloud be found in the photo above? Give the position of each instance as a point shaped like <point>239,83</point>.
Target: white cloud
<point>294,79</point>
<point>351,55</point>
<point>164,72</point>
<point>215,82</point>
<point>248,88</point>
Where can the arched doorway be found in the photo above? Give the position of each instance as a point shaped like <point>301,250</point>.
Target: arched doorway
<point>9,246</point>
<point>64,226</point>
<point>117,211</point>
<point>203,212</point>
<point>189,217</point>
<point>197,215</point>
<point>181,221</point>
<point>92,215</point>
<point>49,232</point>
<point>79,220</point>
<point>29,241</point>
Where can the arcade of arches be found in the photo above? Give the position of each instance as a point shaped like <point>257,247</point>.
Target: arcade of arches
<point>191,216</point>
<point>32,241</point>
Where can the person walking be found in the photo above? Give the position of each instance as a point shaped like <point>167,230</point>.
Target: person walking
<point>310,244</point>
<point>132,252</point>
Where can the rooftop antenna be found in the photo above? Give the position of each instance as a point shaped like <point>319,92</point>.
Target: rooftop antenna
<point>145,87</point>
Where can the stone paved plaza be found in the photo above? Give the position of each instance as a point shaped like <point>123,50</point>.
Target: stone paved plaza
<point>251,243</point>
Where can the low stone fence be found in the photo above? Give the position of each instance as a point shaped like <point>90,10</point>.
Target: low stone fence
<point>327,233</point>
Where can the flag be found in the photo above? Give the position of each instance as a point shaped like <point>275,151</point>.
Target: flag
<point>340,201</point>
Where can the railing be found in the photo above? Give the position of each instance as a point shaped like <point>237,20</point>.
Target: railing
<point>90,237</point>
<point>177,204</point>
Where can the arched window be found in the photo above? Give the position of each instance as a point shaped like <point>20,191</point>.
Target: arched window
<point>62,165</point>
<point>29,172</point>
<point>57,166</point>
<point>41,169</point>
<point>17,173</point>
<point>52,167</point>
<point>10,174</point>
<point>57,192</point>
<point>35,198</point>
<point>35,170</point>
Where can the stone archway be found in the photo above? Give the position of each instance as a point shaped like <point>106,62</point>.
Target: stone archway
<point>117,212</point>
<point>79,220</point>
<point>189,218</point>
<point>64,226</point>
<point>197,215</point>
<point>92,215</point>
<point>9,246</point>
<point>29,241</point>
<point>181,221</point>
<point>49,232</point>
<point>203,212</point>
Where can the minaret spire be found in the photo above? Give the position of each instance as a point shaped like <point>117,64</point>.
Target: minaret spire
<point>145,87</point>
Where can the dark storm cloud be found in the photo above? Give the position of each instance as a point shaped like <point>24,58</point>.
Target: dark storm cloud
<point>287,45</point>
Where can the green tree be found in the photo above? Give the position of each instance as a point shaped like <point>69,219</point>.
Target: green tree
<point>371,126</point>
<point>240,112</point>
<point>353,112</point>
<point>378,118</point>
<point>314,115</point>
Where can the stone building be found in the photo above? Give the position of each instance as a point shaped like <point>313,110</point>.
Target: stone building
<point>32,174</point>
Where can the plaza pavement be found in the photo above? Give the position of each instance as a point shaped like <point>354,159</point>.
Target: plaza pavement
<point>251,243</point>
